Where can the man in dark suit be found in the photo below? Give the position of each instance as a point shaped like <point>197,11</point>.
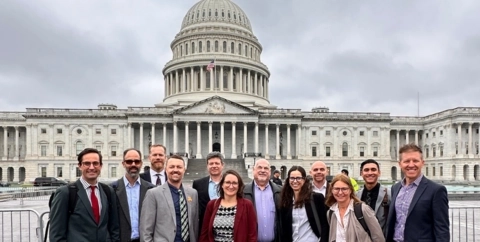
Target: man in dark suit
<point>156,174</point>
<point>207,186</point>
<point>130,190</point>
<point>94,217</point>
<point>318,171</point>
<point>265,196</point>
<point>419,209</point>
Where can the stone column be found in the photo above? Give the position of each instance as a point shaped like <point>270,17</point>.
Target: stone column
<point>398,144</point>
<point>177,88</point>
<point>289,155</point>
<point>470,139</point>
<point>459,128</point>
<point>199,140</point>
<point>184,81</point>
<point>234,152</point>
<point>165,80</point>
<point>129,128</point>
<point>355,141</point>
<point>240,81</point>
<point>335,139</point>
<point>299,142</point>
<point>187,148</point>
<point>256,137</point>
<point>68,139</point>
<point>141,139</point>
<point>221,82</point>
<point>210,136</point>
<point>17,151</point>
<point>104,147</point>
<point>175,137</point>
<point>164,134</point>
<point>277,142</point>
<point>416,137</point>
<point>230,79</point>
<point>192,80</point>
<point>28,137</point>
<point>244,139</point>
<point>305,141</point>
<point>369,142</point>
<point>202,80</point>
<point>407,132</point>
<point>171,83</point>
<point>35,139</point>
<point>222,125</point>
<point>153,133</point>
<point>255,84</point>
<point>267,156</point>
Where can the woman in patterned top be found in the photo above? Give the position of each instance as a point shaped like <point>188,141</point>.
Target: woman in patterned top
<point>230,217</point>
<point>302,212</point>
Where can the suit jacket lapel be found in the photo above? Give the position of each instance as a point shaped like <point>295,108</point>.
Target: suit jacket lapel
<point>123,199</point>
<point>143,191</point>
<point>82,196</point>
<point>168,198</point>
<point>418,193</point>
<point>104,201</point>
<point>381,195</point>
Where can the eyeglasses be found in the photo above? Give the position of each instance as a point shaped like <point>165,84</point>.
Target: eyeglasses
<point>343,189</point>
<point>229,183</point>
<point>88,164</point>
<point>298,178</point>
<point>129,162</point>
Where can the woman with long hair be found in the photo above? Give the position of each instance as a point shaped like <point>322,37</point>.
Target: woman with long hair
<point>344,225</point>
<point>230,217</point>
<point>302,212</point>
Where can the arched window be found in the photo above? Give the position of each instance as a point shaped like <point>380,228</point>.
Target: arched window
<point>181,50</point>
<point>251,52</point>
<point>216,46</point>
<point>224,46</point>
<point>208,46</point>
<point>246,51</point>
<point>200,46</point>
<point>193,47</point>
<point>232,48</point>
<point>345,149</point>
<point>240,49</point>
<point>186,49</point>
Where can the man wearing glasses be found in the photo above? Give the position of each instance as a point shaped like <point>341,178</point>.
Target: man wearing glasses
<point>94,216</point>
<point>131,190</point>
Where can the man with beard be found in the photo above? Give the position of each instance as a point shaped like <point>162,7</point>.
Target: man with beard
<point>170,211</point>
<point>373,193</point>
<point>207,186</point>
<point>318,171</point>
<point>156,174</point>
<point>265,196</point>
<point>130,190</point>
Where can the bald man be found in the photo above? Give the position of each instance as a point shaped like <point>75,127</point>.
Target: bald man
<point>318,171</point>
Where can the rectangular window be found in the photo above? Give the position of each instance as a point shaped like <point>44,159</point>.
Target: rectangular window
<point>434,151</point>
<point>98,131</point>
<point>466,148</point>
<point>375,151</point>
<point>314,132</point>
<point>426,135</point>
<point>113,131</point>
<point>314,151</point>
<point>78,173</point>
<point>327,133</point>
<point>327,151</point>
<point>456,148</point>
<point>59,150</point>
<point>43,131</point>
<point>441,151</point>
<point>59,172</point>
<point>113,150</point>
<point>477,131</point>
<point>426,153</point>
<point>99,148</point>
<point>441,170</point>
<point>113,171</point>
<point>44,171</point>
<point>433,134</point>
<point>466,131</point>
<point>433,171</point>
<point>375,133</point>
<point>441,132</point>
<point>43,150</point>
<point>362,133</point>
<point>362,151</point>
<point>59,131</point>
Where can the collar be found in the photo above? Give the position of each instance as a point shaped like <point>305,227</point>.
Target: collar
<point>416,182</point>
<point>376,187</point>
<point>86,184</point>
<point>259,188</point>
<point>324,185</point>
<point>154,173</point>
<point>127,183</point>
<point>210,180</point>
<point>334,207</point>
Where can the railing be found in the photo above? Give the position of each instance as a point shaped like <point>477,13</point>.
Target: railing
<point>20,225</point>
<point>464,224</point>
<point>26,193</point>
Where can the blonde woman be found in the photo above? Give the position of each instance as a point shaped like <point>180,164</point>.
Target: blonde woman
<point>344,225</point>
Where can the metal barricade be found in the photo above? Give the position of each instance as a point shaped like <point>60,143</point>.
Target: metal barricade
<point>464,224</point>
<point>19,225</point>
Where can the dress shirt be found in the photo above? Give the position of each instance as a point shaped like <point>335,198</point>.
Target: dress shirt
<point>373,195</point>
<point>265,206</point>
<point>86,185</point>
<point>176,204</point>
<point>322,190</point>
<point>342,228</point>
<point>301,229</point>
<point>402,204</point>
<point>133,198</point>
<point>153,176</point>
<point>212,189</point>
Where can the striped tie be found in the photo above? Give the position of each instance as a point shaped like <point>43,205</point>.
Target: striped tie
<point>183,216</point>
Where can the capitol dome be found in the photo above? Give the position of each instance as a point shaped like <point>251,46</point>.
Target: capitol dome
<point>216,31</point>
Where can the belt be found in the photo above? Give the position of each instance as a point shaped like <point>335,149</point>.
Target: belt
<point>135,240</point>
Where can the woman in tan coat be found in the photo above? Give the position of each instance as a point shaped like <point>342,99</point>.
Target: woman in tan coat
<point>344,225</point>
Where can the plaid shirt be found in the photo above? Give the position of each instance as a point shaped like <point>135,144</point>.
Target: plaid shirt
<point>402,204</point>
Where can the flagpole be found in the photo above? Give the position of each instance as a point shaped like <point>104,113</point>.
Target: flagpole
<point>215,74</point>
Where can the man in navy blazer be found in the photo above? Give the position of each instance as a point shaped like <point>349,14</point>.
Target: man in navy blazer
<point>156,174</point>
<point>419,208</point>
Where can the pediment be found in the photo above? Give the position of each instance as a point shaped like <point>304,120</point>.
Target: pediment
<point>215,105</point>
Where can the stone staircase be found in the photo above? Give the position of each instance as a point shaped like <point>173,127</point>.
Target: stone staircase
<point>197,168</point>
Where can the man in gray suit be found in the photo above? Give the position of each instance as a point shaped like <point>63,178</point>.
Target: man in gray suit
<point>373,193</point>
<point>170,211</point>
<point>131,190</point>
<point>94,216</point>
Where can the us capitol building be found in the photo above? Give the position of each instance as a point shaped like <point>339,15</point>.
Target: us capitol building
<point>227,109</point>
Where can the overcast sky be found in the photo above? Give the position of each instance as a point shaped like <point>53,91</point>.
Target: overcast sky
<point>351,56</point>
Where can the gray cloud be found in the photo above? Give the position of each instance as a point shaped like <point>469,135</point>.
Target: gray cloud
<point>370,56</point>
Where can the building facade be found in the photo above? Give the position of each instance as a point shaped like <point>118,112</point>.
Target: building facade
<point>227,109</point>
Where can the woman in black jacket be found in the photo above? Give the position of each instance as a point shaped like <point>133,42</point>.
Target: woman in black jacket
<point>297,215</point>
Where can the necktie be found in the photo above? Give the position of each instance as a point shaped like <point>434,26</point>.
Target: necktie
<point>368,200</point>
<point>95,207</point>
<point>158,182</point>
<point>183,216</point>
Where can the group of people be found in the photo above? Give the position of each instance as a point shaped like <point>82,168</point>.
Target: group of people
<point>156,206</point>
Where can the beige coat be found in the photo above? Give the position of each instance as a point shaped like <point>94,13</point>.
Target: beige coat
<point>355,231</point>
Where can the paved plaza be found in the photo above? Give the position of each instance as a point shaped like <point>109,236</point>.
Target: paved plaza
<point>22,226</point>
